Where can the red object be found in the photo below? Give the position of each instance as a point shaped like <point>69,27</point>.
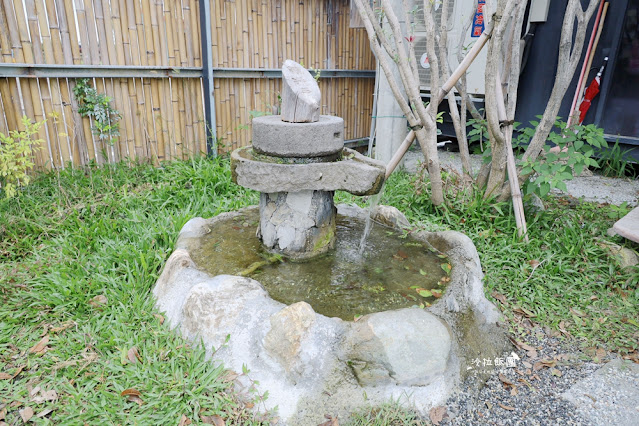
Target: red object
<point>590,94</point>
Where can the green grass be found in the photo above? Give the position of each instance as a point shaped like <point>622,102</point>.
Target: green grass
<point>71,238</point>
<point>106,232</point>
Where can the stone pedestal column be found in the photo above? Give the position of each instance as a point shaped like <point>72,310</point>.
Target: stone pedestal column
<point>298,224</point>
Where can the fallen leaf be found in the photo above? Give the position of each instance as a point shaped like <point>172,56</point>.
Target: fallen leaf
<point>527,364</point>
<point>65,364</point>
<point>533,262</point>
<point>532,354</point>
<point>26,413</point>
<point>524,346</point>
<point>39,347</point>
<point>489,405</point>
<point>332,421</point>
<point>43,413</point>
<point>63,326</point>
<point>401,254</point>
<point>513,391</point>
<point>437,414</point>
<point>555,372</point>
<point>547,363</point>
<point>505,380</point>
<point>500,297</point>
<point>5,376</point>
<point>213,420</point>
<point>3,413</point>
<point>184,421</point>
<point>505,407</point>
<point>98,300</point>
<point>133,355</point>
<point>577,313</point>
<point>136,399</point>
<point>159,318</point>
<point>525,312</point>
<point>436,293</point>
<point>527,383</point>
<point>600,353</point>
<point>130,391</point>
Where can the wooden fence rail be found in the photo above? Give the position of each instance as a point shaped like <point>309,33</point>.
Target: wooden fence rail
<point>133,50</point>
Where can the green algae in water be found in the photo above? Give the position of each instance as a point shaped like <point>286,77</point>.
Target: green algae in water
<point>343,283</point>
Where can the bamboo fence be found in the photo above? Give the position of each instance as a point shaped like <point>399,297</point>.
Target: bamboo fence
<point>163,116</point>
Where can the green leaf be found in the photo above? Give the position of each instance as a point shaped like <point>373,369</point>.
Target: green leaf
<point>544,188</point>
<point>424,293</point>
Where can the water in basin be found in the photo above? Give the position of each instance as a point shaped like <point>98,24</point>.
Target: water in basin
<point>394,271</point>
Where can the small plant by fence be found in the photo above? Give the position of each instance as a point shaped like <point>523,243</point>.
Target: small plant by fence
<point>145,57</point>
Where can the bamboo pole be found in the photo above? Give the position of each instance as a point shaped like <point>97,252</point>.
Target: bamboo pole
<point>513,181</point>
<point>190,54</point>
<point>166,110</point>
<point>70,54</point>
<point>200,116</point>
<point>16,48</point>
<point>92,31</point>
<point>32,48</point>
<point>195,21</point>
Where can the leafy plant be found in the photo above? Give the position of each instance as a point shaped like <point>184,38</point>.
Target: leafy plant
<point>576,146</point>
<point>15,156</point>
<point>614,162</point>
<point>98,107</point>
<point>573,152</point>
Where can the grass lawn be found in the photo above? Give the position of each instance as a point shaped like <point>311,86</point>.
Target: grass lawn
<point>80,340</point>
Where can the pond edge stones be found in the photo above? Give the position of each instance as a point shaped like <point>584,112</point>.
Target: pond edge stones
<point>312,364</point>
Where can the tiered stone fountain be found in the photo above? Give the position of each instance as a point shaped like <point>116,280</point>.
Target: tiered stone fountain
<point>297,161</point>
<point>312,364</point>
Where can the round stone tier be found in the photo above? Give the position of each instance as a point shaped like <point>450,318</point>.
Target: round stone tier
<point>272,136</point>
<point>355,173</point>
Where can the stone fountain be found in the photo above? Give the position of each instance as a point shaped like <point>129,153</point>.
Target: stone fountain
<point>297,163</point>
<point>313,364</point>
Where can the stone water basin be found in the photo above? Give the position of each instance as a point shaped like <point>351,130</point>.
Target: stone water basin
<point>313,364</point>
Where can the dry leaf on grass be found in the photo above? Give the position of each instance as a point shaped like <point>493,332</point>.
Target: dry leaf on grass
<point>26,413</point>
<point>133,355</point>
<point>136,399</point>
<point>213,420</point>
<point>44,413</point>
<point>184,421</point>
<point>159,318</point>
<point>437,414</point>
<point>64,364</point>
<point>40,346</point>
<point>63,326</point>
<point>3,413</point>
<point>98,301</point>
<point>5,376</point>
<point>500,297</point>
<point>130,391</point>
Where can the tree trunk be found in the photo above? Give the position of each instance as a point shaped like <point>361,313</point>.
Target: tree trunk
<point>428,142</point>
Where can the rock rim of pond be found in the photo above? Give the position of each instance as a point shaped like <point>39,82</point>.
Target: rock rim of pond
<point>312,365</point>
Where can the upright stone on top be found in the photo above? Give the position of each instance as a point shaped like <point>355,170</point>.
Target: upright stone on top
<point>300,94</point>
